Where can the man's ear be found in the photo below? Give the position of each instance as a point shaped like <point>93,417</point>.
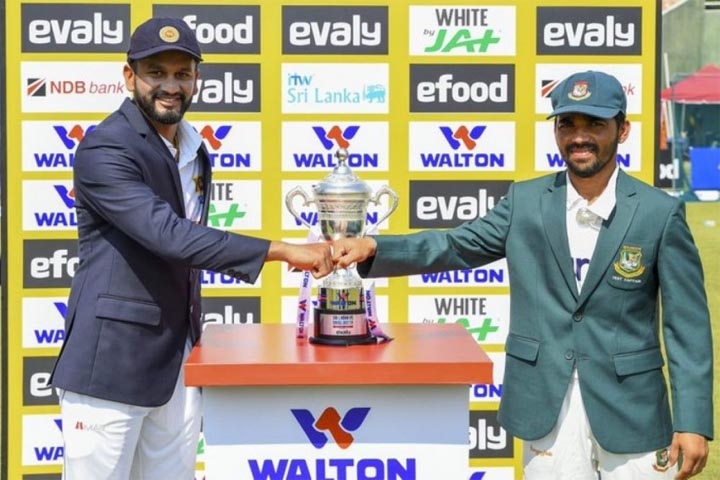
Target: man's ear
<point>129,75</point>
<point>624,131</point>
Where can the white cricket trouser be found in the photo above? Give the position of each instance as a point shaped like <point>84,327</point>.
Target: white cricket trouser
<point>570,452</point>
<point>106,440</point>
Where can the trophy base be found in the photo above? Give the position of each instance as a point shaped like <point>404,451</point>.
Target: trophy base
<point>341,329</point>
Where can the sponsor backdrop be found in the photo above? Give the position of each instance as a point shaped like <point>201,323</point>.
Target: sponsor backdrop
<point>443,101</point>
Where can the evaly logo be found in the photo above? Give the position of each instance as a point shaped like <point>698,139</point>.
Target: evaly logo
<point>446,204</point>
<point>487,438</point>
<point>330,421</point>
<point>228,88</point>
<point>335,30</point>
<point>462,88</point>
<point>74,28</point>
<point>602,31</point>
<point>219,28</point>
<point>230,310</point>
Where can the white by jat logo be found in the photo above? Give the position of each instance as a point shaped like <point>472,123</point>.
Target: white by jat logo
<point>445,89</point>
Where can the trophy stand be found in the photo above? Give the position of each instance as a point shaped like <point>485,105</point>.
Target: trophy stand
<point>341,200</point>
<point>340,313</point>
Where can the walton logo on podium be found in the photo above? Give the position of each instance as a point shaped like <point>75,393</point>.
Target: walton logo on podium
<point>330,420</point>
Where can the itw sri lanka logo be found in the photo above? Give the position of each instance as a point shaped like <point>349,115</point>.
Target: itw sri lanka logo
<point>330,421</point>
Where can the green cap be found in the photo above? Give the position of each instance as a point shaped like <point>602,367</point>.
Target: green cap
<point>592,93</point>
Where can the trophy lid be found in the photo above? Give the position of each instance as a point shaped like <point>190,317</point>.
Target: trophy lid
<point>342,181</point>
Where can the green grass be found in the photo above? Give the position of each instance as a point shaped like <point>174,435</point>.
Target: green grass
<point>708,240</point>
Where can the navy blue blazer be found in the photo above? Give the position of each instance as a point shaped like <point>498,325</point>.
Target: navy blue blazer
<point>135,296</point>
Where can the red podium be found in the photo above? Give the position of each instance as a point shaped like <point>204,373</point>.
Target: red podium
<point>278,407</point>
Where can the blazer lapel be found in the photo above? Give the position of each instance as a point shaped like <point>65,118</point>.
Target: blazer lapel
<point>136,119</point>
<point>612,232</point>
<point>553,206</point>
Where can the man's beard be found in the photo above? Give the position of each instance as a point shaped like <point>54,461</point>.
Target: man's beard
<point>595,167</point>
<point>168,117</point>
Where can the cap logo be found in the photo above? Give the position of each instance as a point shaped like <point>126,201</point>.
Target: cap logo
<point>579,91</point>
<point>169,34</point>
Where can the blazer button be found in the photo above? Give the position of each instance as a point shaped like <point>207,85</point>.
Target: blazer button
<point>569,355</point>
<point>578,316</point>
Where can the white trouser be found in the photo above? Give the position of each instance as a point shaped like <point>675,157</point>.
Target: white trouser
<point>570,452</point>
<point>106,440</point>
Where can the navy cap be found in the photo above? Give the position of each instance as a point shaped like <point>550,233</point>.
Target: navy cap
<point>160,35</point>
<point>593,93</point>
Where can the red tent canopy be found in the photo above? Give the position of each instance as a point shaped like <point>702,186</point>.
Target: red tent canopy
<point>702,86</point>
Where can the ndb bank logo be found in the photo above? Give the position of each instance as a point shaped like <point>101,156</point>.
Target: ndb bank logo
<point>462,88</point>
<point>49,263</point>
<point>219,28</point>
<point>335,88</point>
<point>74,28</point>
<point>50,146</point>
<point>449,203</point>
<point>314,145</point>
<point>228,87</point>
<point>65,87</point>
<point>335,30</point>
<point>589,30</point>
<point>462,31</point>
<point>471,146</point>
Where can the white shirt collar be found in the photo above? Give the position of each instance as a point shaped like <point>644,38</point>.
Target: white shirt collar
<point>605,203</point>
<point>189,143</point>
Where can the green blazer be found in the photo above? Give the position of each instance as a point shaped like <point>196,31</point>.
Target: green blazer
<point>609,332</point>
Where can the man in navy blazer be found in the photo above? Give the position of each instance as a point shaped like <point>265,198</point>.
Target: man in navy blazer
<point>142,184</point>
<point>594,257</point>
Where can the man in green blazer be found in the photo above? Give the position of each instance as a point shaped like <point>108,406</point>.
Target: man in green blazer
<point>595,257</point>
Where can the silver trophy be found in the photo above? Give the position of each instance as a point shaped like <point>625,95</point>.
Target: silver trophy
<point>341,200</point>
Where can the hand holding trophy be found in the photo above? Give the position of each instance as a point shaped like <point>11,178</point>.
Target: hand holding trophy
<point>341,200</point>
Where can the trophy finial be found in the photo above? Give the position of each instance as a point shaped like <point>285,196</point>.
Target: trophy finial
<point>341,155</point>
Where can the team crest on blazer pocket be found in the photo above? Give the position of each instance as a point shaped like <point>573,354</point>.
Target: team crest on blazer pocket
<point>629,263</point>
<point>662,460</point>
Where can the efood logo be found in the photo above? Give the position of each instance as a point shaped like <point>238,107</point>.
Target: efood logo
<point>219,28</point>
<point>462,88</point>
<point>335,30</point>
<point>330,421</point>
<point>59,28</point>
<point>589,30</point>
<point>49,263</point>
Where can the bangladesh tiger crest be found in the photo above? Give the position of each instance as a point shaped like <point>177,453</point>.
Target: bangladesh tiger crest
<point>629,263</point>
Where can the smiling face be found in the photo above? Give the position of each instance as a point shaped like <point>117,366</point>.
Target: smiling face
<point>588,145</point>
<point>163,86</point>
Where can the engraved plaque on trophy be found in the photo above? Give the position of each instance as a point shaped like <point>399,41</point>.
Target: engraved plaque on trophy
<point>341,200</point>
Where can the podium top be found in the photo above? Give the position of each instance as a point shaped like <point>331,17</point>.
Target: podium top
<point>271,355</point>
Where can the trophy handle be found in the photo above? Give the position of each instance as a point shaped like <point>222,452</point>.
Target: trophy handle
<point>384,190</point>
<point>298,192</point>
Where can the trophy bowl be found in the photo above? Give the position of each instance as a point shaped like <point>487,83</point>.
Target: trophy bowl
<point>341,200</point>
